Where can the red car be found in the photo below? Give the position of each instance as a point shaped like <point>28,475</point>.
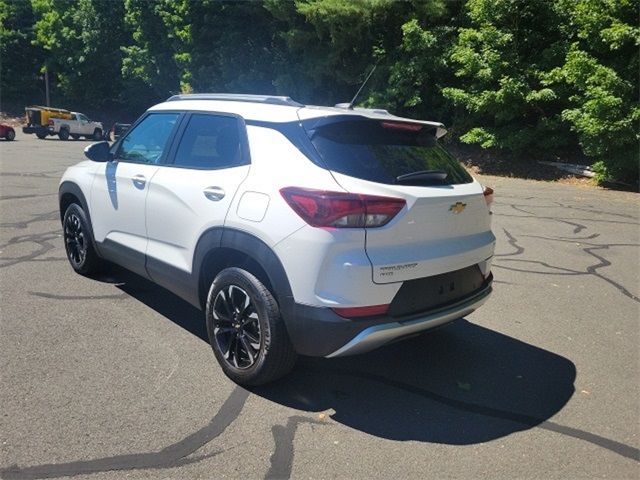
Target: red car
<point>7,132</point>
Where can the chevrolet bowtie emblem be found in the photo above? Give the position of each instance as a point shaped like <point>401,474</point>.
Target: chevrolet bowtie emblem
<point>457,207</point>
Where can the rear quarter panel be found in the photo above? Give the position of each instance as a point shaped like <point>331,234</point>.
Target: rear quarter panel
<point>275,163</point>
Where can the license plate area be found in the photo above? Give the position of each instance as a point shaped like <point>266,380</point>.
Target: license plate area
<point>430,293</point>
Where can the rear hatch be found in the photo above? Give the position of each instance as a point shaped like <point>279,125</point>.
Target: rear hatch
<point>445,225</point>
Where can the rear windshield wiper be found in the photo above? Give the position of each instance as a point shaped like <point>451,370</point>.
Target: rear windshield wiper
<point>422,175</point>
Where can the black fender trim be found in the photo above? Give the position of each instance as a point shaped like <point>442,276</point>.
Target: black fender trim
<point>208,242</point>
<point>70,188</point>
<point>262,253</point>
<point>76,191</point>
<point>250,245</point>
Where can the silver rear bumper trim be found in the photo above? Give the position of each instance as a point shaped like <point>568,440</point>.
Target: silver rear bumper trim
<point>376,336</point>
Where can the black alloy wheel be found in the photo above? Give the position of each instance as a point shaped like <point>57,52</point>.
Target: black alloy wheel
<point>246,331</point>
<point>75,240</point>
<point>78,241</point>
<point>10,135</point>
<point>236,327</point>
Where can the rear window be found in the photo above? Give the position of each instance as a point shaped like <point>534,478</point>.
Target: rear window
<point>387,152</point>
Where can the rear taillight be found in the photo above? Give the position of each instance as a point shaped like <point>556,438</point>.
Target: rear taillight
<point>51,122</point>
<point>320,208</point>
<point>488,195</point>
<point>355,312</point>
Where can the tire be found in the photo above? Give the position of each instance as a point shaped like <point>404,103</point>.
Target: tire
<point>63,134</point>
<point>10,135</point>
<point>41,136</point>
<point>249,340</point>
<point>75,136</point>
<point>78,241</point>
<point>97,134</point>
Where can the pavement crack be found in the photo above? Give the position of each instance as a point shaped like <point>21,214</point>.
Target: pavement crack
<point>53,296</point>
<point>513,241</point>
<point>49,174</point>
<point>605,263</point>
<point>578,227</point>
<point>597,220</point>
<point>283,436</point>
<point>40,217</point>
<point>589,250</point>
<point>171,456</point>
<point>21,197</point>
<point>43,240</point>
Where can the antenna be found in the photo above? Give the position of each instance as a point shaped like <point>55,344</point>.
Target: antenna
<point>350,104</point>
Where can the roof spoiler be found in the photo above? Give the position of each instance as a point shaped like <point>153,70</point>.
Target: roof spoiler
<point>382,114</point>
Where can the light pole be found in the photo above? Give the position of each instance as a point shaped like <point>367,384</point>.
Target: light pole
<point>46,85</point>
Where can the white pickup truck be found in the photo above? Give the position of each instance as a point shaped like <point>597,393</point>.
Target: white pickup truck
<point>75,127</point>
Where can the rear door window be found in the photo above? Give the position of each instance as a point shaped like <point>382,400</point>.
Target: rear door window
<point>210,142</point>
<point>387,152</point>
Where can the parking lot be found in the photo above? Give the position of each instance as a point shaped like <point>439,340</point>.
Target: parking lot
<point>113,377</point>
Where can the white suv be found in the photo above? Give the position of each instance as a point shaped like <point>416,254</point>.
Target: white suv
<point>321,231</point>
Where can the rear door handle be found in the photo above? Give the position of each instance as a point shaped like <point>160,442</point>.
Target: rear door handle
<point>139,181</point>
<point>214,194</point>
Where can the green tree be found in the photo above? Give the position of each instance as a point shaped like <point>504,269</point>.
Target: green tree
<point>500,59</point>
<point>20,60</point>
<point>158,54</point>
<point>551,78</point>
<point>232,47</point>
<point>329,46</point>
<point>545,77</point>
<point>599,82</point>
<point>417,68</point>
<point>81,40</point>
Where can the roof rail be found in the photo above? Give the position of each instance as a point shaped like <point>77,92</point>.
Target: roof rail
<point>237,97</point>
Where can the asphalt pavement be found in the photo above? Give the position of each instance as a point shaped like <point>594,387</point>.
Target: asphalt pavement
<point>113,377</point>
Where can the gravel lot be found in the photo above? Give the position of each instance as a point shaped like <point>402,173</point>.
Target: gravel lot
<point>113,377</point>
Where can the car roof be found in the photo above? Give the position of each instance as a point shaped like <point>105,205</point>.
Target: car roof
<point>278,109</point>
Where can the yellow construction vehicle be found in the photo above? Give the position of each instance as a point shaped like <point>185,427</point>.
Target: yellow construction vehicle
<point>38,119</point>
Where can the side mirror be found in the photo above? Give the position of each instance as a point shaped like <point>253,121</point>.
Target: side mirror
<point>98,152</point>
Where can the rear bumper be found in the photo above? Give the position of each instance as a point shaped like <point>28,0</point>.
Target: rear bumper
<point>378,335</point>
<point>35,129</point>
<point>320,332</point>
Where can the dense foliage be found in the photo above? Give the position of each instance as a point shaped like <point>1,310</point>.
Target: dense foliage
<point>536,78</point>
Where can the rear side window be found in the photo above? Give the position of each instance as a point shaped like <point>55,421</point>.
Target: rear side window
<point>209,142</point>
<point>387,152</point>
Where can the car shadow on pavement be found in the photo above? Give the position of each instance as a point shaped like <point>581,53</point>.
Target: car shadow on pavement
<point>459,384</point>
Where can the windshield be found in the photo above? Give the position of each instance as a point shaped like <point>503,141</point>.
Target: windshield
<point>383,151</point>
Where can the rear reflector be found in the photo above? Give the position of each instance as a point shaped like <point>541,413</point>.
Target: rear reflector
<point>320,208</point>
<point>356,312</point>
<point>488,195</point>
